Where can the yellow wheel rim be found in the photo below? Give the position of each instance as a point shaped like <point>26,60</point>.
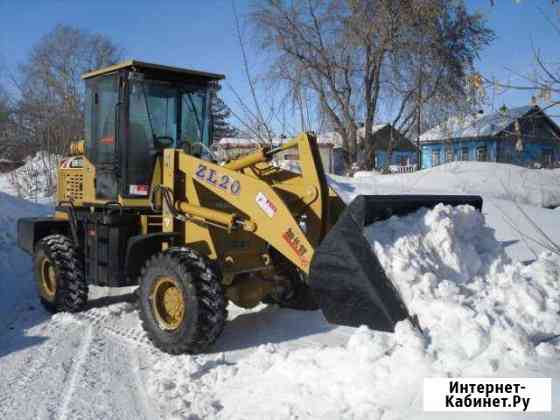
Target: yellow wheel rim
<point>167,303</point>
<point>48,279</point>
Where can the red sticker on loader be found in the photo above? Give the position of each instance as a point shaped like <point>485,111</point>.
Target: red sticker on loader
<point>107,140</point>
<point>292,240</point>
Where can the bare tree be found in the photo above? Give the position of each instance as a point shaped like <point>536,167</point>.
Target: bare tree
<point>52,95</point>
<point>544,84</point>
<point>49,113</point>
<point>544,81</point>
<point>352,54</point>
<point>4,116</point>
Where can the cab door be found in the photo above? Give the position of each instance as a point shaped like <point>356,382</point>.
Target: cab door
<point>153,112</point>
<point>101,125</point>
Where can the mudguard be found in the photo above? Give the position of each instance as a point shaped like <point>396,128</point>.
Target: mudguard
<point>31,230</point>
<point>346,276</point>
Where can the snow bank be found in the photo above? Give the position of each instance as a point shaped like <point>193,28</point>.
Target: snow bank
<point>538,187</point>
<point>479,310</point>
<point>353,381</point>
<point>16,285</point>
<point>35,180</point>
<point>481,315</point>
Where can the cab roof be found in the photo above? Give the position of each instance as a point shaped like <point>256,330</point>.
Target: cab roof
<point>143,67</point>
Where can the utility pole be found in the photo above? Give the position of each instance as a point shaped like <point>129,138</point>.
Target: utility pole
<point>418,150</point>
<point>418,124</point>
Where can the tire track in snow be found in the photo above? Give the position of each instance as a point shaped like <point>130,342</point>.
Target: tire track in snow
<point>141,392</point>
<point>110,367</point>
<point>88,368</point>
<point>106,386</point>
<point>14,389</point>
<point>105,322</point>
<point>75,372</point>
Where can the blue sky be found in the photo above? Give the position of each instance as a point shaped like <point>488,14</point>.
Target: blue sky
<point>201,35</point>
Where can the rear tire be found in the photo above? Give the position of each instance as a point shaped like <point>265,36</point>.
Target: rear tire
<point>182,301</point>
<point>59,275</point>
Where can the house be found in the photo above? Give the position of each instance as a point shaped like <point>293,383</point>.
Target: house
<point>523,136</point>
<point>235,147</point>
<point>391,150</point>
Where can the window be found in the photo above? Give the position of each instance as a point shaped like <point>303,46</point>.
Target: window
<point>449,155</point>
<point>378,161</point>
<point>464,153</point>
<point>152,114</point>
<point>482,154</point>
<point>292,156</point>
<point>435,157</point>
<point>547,158</point>
<point>403,160</point>
<point>157,110</point>
<point>101,108</point>
<point>194,121</point>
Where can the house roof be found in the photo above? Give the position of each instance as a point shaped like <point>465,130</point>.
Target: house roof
<point>250,143</point>
<point>485,125</point>
<point>374,129</point>
<point>328,139</point>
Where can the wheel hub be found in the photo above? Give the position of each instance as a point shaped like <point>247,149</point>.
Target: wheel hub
<point>48,278</point>
<point>167,303</point>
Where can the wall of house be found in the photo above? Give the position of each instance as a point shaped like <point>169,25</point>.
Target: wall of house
<point>532,155</point>
<point>398,157</point>
<point>383,140</point>
<point>471,145</point>
<point>339,166</point>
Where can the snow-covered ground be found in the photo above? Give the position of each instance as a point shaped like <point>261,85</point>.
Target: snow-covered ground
<point>482,310</point>
<point>537,187</point>
<point>516,200</point>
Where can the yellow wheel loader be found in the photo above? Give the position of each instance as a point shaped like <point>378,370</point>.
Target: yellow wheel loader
<point>145,201</point>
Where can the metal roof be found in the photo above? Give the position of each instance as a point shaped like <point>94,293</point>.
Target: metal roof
<point>485,125</point>
<point>139,65</point>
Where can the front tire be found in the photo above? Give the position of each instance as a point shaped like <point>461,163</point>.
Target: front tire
<point>59,275</point>
<point>182,301</point>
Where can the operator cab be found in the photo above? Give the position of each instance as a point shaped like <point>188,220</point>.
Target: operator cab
<point>134,110</point>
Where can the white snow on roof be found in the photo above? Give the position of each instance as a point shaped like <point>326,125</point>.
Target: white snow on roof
<point>329,138</point>
<point>374,129</point>
<point>238,142</point>
<point>475,126</point>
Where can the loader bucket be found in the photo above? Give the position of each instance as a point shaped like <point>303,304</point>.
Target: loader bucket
<point>345,275</point>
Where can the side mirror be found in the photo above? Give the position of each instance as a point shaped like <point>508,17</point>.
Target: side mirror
<point>193,149</point>
<point>163,142</point>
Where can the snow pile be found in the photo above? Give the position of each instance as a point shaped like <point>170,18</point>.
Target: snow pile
<point>16,285</point>
<point>357,380</point>
<point>479,310</point>
<point>538,187</point>
<point>481,315</point>
<point>35,180</point>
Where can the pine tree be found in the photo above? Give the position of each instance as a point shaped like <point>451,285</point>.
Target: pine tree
<point>220,115</point>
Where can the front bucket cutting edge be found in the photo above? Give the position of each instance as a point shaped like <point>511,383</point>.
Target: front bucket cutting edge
<point>346,276</point>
